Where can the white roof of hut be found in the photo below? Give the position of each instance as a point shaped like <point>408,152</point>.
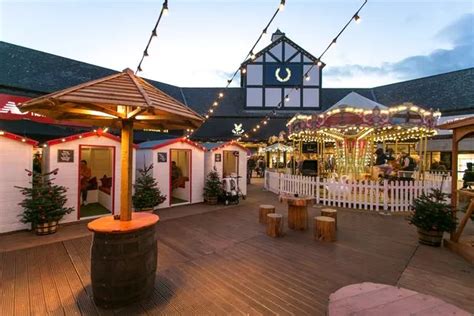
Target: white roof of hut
<point>355,100</point>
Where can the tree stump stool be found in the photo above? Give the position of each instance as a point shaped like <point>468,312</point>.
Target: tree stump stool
<point>274,225</point>
<point>324,228</point>
<point>264,211</point>
<point>330,212</point>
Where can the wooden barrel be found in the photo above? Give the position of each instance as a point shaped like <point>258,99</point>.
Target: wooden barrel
<point>274,225</point>
<point>324,228</point>
<point>430,238</point>
<point>297,217</point>
<point>123,266</point>
<point>264,210</point>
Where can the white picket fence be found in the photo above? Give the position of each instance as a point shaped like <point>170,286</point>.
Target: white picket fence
<point>388,196</point>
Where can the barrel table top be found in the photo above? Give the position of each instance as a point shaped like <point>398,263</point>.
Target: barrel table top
<point>381,299</point>
<point>108,224</point>
<point>296,200</point>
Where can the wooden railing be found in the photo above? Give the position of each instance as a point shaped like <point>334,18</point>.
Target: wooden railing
<point>384,195</point>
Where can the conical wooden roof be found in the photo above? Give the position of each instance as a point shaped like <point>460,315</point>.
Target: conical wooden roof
<point>102,101</point>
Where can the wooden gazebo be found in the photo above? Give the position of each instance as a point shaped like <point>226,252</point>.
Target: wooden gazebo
<point>461,128</point>
<point>121,100</point>
<point>124,252</point>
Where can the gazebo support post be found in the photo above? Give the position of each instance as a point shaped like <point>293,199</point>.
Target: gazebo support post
<point>126,155</point>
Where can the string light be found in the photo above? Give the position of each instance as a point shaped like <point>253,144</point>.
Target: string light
<point>165,8</point>
<point>319,63</point>
<point>164,11</point>
<point>282,5</point>
<point>357,18</point>
<point>250,55</point>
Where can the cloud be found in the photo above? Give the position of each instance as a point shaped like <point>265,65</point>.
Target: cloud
<point>459,34</point>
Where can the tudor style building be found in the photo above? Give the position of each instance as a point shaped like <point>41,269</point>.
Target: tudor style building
<point>278,71</point>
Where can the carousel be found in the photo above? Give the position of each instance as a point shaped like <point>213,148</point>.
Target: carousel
<point>348,136</point>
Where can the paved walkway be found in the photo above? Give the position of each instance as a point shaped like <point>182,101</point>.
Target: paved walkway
<point>219,261</point>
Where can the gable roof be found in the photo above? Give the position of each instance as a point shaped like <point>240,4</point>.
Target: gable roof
<point>98,133</point>
<point>18,138</point>
<point>282,39</point>
<point>156,144</point>
<point>219,145</point>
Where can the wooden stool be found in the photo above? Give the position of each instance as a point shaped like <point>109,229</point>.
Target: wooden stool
<point>274,225</point>
<point>330,212</point>
<point>264,211</point>
<point>324,228</point>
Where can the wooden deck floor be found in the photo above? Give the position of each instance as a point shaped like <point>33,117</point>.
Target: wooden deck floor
<point>221,262</point>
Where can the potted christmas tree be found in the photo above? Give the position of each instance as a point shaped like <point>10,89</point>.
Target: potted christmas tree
<point>147,194</point>
<point>432,216</point>
<point>212,188</point>
<point>44,203</point>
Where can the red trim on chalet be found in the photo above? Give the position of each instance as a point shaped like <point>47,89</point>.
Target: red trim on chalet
<point>179,140</point>
<point>231,143</point>
<point>19,138</point>
<point>98,133</point>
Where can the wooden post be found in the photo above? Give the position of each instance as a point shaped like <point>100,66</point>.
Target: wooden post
<point>126,157</point>
<point>264,210</point>
<point>324,228</point>
<point>274,225</point>
<point>454,168</point>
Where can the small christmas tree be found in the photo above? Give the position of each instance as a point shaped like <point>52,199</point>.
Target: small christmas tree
<point>213,187</point>
<point>147,194</point>
<point>44,201</point>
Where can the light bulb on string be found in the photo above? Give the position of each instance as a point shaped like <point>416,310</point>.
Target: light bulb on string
<point>165,8</point>
<point>221,95</point>
<point>244,70</point>
<point>215,103</point>
<point>287,98</point>
<point>307,77</point>
<point>281,7</point>
<point>357,18</point>
<point>319,63</point>
<point>334,42</point>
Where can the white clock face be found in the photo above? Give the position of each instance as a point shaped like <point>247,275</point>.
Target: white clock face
<point>283,76</point>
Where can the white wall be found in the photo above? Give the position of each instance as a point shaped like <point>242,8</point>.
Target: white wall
<point>69,172</point>
<point>15,157</point>
<point>211,163</point>
<point>161,171</point>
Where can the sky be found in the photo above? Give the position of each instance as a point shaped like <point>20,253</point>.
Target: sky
<point>201,41</point>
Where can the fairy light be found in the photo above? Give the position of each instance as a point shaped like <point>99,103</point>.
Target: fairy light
<point>164,12</point>
<point>250,55</point>
<point>318,63</point>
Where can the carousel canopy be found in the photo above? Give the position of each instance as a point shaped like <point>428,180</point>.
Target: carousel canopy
<point>356,117</point>
<point>355,100</point>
